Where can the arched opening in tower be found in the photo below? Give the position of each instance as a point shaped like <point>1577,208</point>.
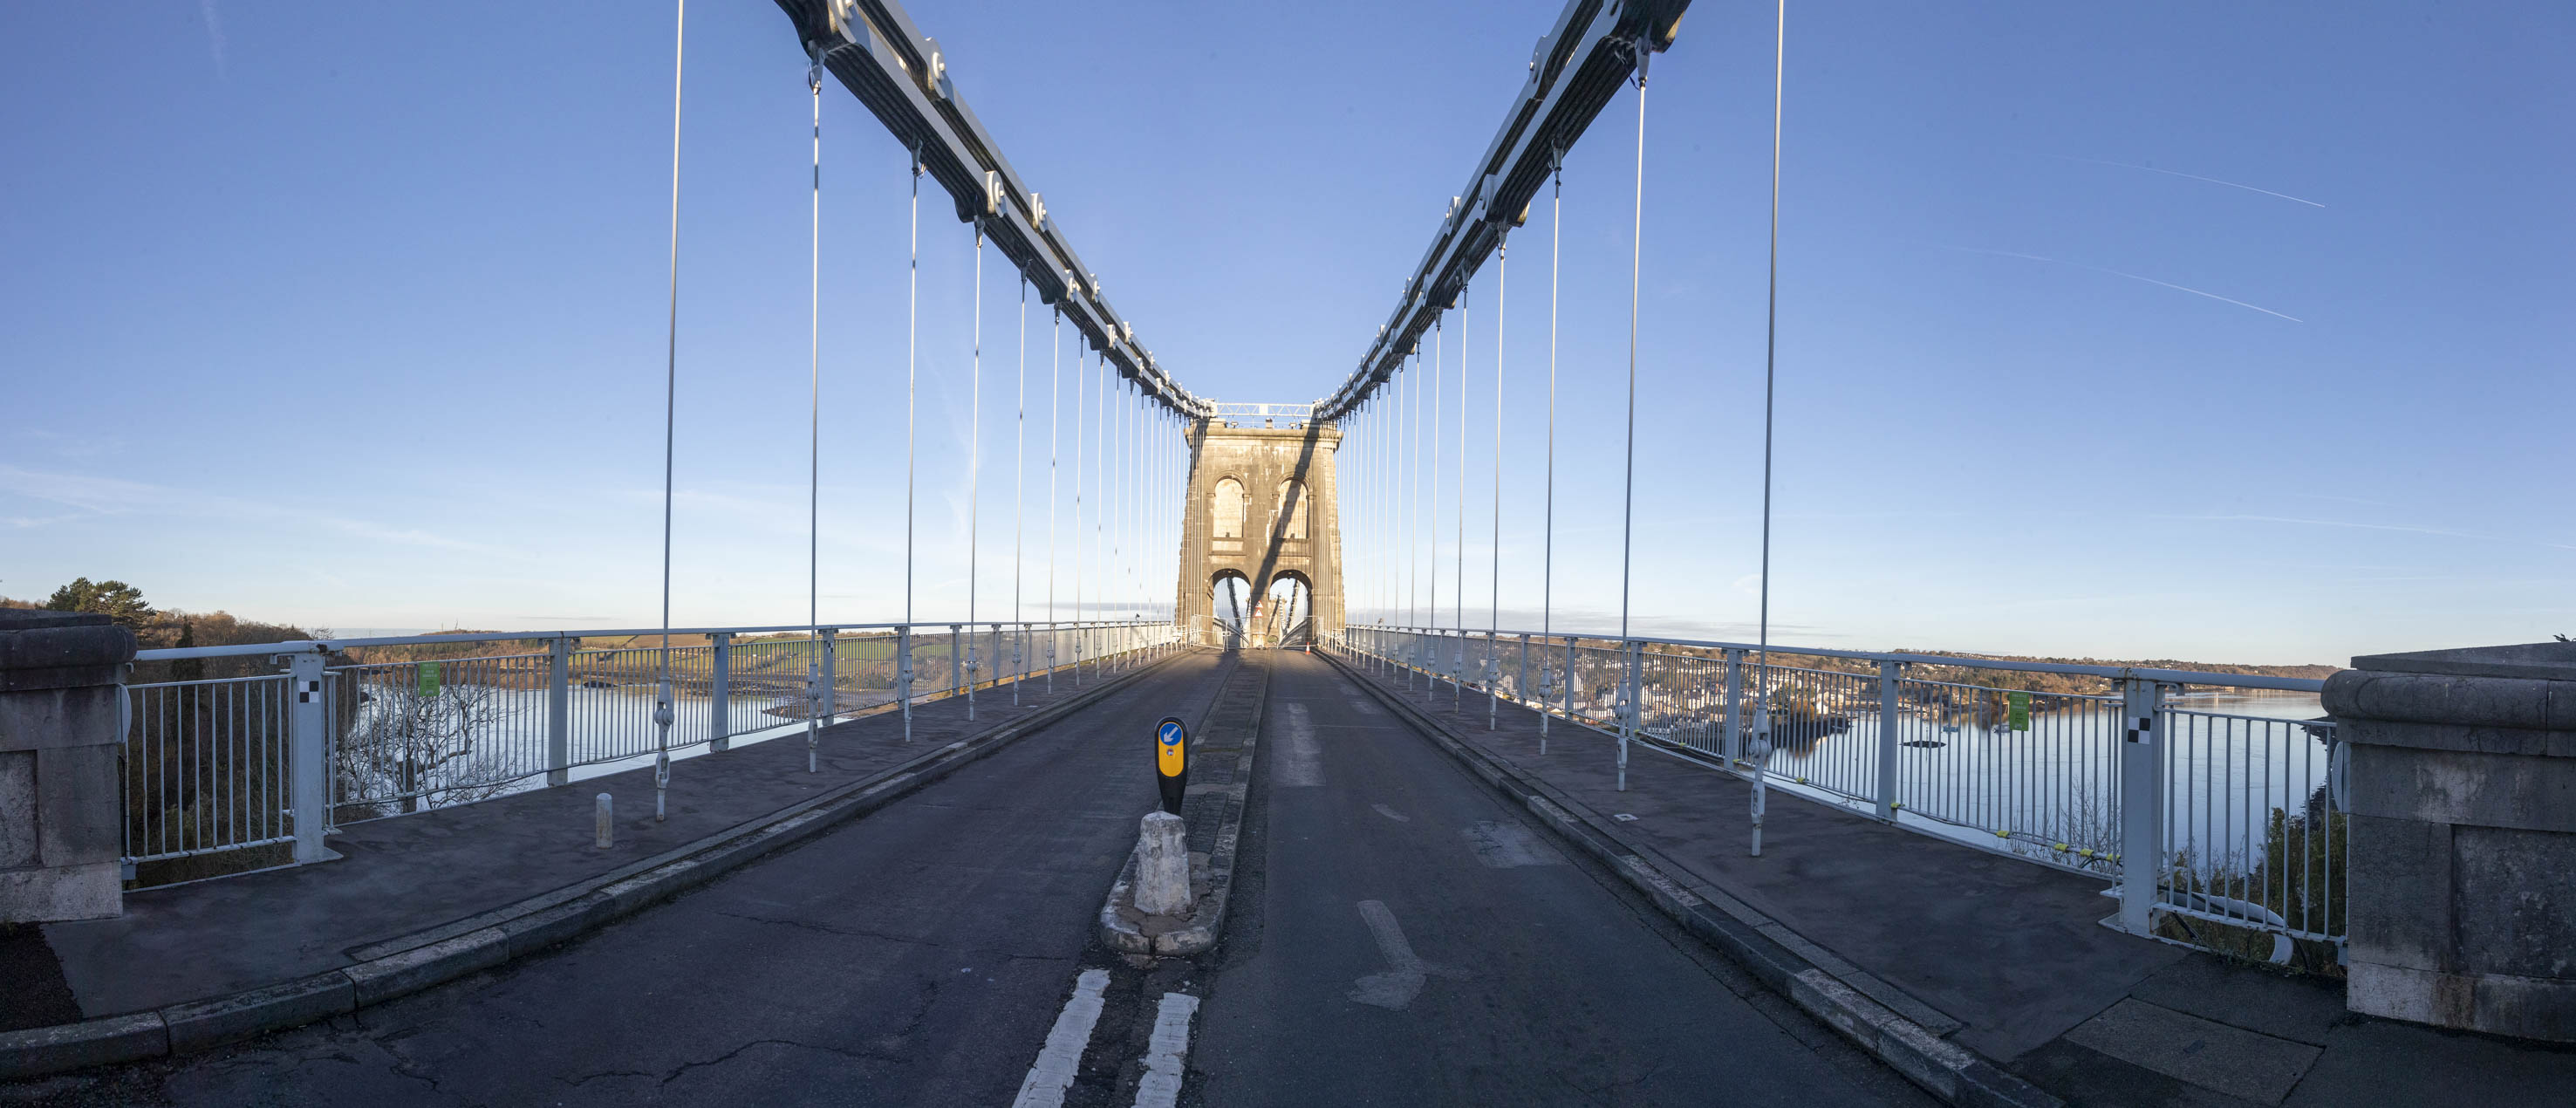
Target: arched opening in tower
<point>1230,608</point>
<point>1286,614</point>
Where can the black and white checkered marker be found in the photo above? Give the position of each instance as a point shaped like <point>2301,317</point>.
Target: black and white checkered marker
<point>305,691</point>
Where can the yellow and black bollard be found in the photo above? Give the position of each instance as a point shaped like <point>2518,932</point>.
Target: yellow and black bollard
<point>1171,761</point>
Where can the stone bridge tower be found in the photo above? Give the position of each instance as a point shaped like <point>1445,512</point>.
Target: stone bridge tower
<point>1263,505</point>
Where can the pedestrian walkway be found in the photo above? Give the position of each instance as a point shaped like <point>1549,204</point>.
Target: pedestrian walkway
<point>407,881</point>
<point>2005,957</point>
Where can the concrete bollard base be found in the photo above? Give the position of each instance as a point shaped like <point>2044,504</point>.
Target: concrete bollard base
<point>1162,866</point>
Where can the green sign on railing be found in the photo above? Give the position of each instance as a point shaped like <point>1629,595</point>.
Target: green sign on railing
<point>427,678</point>
<point>2017,708</point>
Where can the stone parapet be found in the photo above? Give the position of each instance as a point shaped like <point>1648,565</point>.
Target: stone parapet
<point>61,735</point>
<point>2460,777</point>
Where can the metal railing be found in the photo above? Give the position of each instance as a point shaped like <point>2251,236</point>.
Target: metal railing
<point>206,768</point>
<point>1281,415</point>
<point>262,766</point>
<point>2219,781</point>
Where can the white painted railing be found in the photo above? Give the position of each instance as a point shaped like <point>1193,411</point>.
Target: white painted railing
<point>2219,781</point>
<point>267,764</point>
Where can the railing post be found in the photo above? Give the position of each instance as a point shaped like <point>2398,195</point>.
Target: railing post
<point>309,756</point>
<point>831,690</point>
<point>559,711</point>
<point>1458,669</point>
<point>973,665</point>
<point>1630,709</point>
<point>2142,806</point>
<point>1734,744</point>
<point>1052,635</point>
<point>720,692</point>
<point>1890,723</point>
<point>1430,665</point>
<point>1520,686</point>
<point>957,663</point>
<point>1569,677</point>
<point>1493,681</point>
<point>903,676</point>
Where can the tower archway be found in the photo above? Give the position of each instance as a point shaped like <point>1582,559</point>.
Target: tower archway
<point>1261,510</point>
<point>1285,615</point>
<point>1231,603</point>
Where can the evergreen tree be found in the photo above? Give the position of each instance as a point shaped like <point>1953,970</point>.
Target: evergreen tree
<point>115,599</point>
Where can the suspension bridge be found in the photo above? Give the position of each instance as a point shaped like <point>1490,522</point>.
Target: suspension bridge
<point>1433,857</point>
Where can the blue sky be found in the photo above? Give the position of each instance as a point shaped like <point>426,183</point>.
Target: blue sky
<point>2206,331</point>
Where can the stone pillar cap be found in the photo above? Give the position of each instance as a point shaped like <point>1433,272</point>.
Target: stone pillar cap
<point>2527,688</point>
<point>28,619</point>
<point>2540,661</point>
<point>42,649</point>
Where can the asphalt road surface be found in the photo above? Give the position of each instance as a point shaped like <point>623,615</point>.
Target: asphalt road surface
<point>1399,936</point>
<point>1415,940</point>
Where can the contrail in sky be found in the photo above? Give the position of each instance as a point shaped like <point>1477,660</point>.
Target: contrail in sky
<point>2192,176</point>
<point>2131,276</point>
<point>214,34</point>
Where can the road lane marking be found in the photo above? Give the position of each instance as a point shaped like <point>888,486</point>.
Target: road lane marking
<point>1301,755</point>
<point>1504,845</point>
<point>1391,813</point>
<point>1166,1051</point>
<point>1053,1072</point>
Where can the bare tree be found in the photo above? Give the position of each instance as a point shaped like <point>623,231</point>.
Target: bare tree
<point>412,749</point>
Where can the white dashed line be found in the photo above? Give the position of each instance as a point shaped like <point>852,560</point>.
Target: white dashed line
<point>1165,1053</point>
<point>1053,1072</point>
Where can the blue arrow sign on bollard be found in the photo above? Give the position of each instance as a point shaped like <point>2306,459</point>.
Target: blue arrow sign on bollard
<point>1171,761</point>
